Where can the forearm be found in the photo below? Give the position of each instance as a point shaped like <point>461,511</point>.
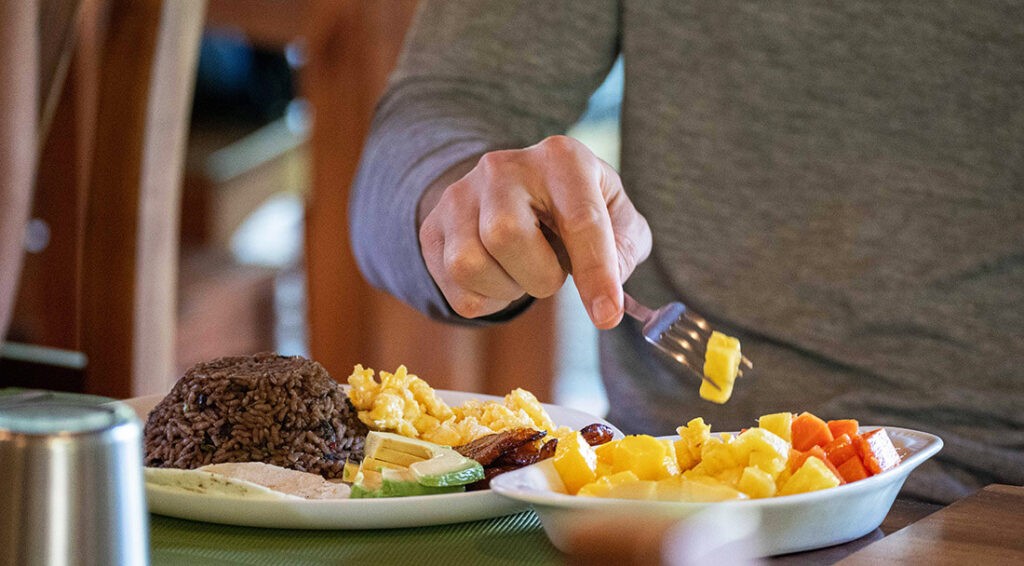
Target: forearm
<point>409,159</point>
<point>468,83</point>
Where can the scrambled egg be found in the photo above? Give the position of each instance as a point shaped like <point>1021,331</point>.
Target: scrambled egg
<point>403,403</point>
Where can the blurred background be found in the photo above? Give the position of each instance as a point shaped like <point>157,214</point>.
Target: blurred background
<point>270,100</point>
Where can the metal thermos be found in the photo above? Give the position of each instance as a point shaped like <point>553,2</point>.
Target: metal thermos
<point>71,481</point>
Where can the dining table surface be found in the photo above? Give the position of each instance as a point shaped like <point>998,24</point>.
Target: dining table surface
<point>986,527</point>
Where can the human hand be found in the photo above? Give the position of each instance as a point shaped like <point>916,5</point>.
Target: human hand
<point>520,220</point>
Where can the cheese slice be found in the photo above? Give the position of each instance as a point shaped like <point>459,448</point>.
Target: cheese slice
<point>247,480</point>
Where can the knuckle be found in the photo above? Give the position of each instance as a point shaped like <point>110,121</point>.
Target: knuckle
<point>504,232</point>
<point>456,195</point>
<point>628,248</point>
<point>430,235</point>
<point>465,265</point>
<point>584,217</point>
<point>560,145</point>
<point>467,305</point>
<point>548,284</point>
<point>629,254</point>
<point>493,161</point>
<point>588,273</point>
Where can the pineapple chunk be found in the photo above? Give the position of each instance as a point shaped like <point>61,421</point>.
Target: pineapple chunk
<point>706,489</point>
<point>575,462</point>
<point>779,423</point>
<point>621,485</point>
<point>602,486</point>
<point>640,489</point>
<point>672,461</point>
<point>671,489</point>
<point>649,457</point>
<point>756,483</point>
<point>813,475</point>
<point>697,490</point>
<point>606,452</point>
<point>730,476</point>
<point>721,364</point>
<point>691,439</point>
<point>717,456</point>
<point>783,477</point>
<point>759,440</point>
<point>767,463</point>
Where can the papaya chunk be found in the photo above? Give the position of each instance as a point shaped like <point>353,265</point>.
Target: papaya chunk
<point>808,430</point>
<point>852,470</point>
<point>841,449</point>
<point>844,426</point>
<point>877,451</point>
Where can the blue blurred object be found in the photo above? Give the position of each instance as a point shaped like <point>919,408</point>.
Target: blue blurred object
<point>237,81</point>
<point>606,102</point>
<point>225,62</point>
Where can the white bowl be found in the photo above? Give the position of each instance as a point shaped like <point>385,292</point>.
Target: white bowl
<point>789,523</point>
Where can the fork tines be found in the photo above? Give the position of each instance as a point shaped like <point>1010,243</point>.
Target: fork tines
<point>685,355</point>
<point>692,326</point>
<point>678,333</point>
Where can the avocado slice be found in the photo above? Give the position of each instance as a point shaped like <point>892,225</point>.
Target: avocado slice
<point>394,482</point>
<point>348,473</point>
<point>432,465</point>
<point>447,468</point>
<point>386,442</point>
<point>402,483</point>
<point>367,484</point>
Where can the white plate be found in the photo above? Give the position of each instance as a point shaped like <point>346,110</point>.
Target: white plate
<point>789,523</point>
<point>346,513</point>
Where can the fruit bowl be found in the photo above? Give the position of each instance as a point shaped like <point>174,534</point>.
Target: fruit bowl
<point>791,523</point>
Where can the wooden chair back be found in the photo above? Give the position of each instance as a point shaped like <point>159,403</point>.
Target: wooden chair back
<point>108,189</point>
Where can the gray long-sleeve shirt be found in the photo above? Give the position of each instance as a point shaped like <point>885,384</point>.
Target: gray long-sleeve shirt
<point>840,185</point>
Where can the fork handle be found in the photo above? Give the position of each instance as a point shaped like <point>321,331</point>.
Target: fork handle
<point>635,309</point>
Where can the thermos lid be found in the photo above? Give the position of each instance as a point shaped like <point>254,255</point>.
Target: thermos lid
<point>27,411</point>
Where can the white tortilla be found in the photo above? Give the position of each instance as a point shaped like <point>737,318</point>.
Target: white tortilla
<point>248,480</point>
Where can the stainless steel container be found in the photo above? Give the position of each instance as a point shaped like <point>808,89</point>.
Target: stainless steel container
<point>71,483</point>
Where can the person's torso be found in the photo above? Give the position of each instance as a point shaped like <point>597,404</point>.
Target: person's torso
<point>842,180</point>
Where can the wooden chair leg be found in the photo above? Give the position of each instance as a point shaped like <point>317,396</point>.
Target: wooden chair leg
<point>131,221</point>
<point>351,47</point>
<point>18,103</point>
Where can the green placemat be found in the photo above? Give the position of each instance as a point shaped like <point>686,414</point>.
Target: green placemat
<point>515,539</point>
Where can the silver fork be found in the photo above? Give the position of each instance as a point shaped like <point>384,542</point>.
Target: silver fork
<point>678,332</point>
